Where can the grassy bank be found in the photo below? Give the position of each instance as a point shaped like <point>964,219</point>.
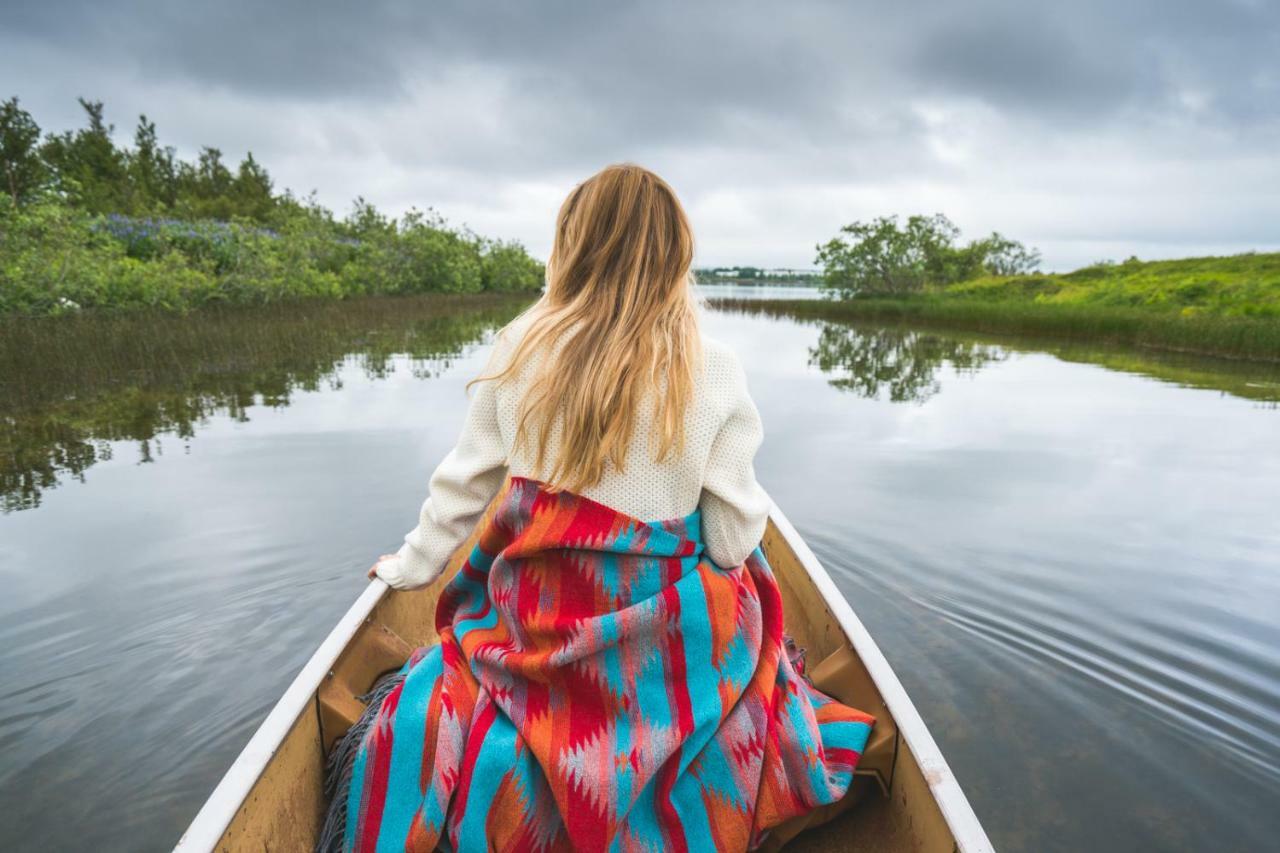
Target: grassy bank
<point>1245,285</point>
<point>1228,337</point>
<point>1228,307</point>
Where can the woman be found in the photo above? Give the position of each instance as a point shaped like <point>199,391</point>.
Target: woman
<point>611,670</point>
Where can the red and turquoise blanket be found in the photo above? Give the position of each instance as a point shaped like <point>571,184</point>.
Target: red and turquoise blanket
<point>599,685</point>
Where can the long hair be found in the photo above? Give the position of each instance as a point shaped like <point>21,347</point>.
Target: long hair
<point>617,328</point>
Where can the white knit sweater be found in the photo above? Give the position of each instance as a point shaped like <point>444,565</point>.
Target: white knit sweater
<point>714,471</point>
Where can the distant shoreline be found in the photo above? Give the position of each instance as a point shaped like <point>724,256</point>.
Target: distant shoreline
<point>756,282</point>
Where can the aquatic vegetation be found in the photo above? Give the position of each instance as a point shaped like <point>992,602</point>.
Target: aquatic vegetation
<point>71,386</point>
<point>1244,335</point>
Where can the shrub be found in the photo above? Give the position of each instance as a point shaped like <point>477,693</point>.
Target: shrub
<point>84,223</point>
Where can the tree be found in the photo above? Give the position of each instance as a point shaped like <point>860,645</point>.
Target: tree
<point>204,187</point>
<point>879,257</point>
<point>507,266</point>
<point>23,171</point>
<point>882,258</point>
<point>439,257</point>
<point>152,170</point>
<point>87,167</point>
<point>1002,256</point>
<point>366,221</point>
<point>252,190</point>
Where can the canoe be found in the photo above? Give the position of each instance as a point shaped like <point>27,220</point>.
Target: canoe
<point>904,797</point>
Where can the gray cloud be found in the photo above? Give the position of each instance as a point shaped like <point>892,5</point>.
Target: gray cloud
<point>778,122</point>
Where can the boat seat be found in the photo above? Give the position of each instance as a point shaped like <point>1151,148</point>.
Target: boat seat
<point>373,652</point>
<point>842,676</point>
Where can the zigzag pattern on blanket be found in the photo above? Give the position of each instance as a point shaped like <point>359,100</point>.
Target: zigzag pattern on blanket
<point>598,685</point>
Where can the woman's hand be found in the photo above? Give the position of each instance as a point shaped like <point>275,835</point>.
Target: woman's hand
<point>373,570</point>
<point>403,572</point>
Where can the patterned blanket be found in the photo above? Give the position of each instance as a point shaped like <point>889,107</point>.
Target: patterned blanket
<point>600,685</point>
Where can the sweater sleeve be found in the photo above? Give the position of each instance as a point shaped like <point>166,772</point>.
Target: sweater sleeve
<point>461,488</point>
<point>735,508</point>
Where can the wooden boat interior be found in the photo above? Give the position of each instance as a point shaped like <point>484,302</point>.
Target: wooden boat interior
<point>891,807</point>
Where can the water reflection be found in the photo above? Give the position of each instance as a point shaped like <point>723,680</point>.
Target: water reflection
<point>73,389</point>
<point>899,363</point>
<point>69,388</point>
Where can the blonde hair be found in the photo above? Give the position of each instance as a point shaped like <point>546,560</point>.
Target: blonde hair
<point>617,323</point>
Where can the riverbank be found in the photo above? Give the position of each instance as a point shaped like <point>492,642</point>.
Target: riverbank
<point>895,355</point>
<point>1237,337</point>
<point>88,225</point>
<point>57,260</point>
<point>1216,306</point>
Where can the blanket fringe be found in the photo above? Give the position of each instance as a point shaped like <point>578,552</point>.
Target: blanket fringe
<point>342,760</point>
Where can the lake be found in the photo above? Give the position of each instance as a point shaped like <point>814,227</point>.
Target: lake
<point>1071,555</point>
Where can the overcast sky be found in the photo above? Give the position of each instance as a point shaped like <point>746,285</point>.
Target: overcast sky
<point>1092,129</point>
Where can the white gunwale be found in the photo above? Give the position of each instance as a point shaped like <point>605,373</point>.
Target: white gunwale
<point>220,809</point>
<point>969,835</point>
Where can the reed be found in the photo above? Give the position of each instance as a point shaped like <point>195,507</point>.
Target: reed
<point>1255,338</point>
<point>69,386</point>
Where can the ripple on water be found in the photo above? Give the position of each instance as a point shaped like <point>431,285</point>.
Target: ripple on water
<point>1210,684</point>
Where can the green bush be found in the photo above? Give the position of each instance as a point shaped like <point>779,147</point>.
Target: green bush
<point>86,224</point>
<point>508,267</point>
<point>55,259</point>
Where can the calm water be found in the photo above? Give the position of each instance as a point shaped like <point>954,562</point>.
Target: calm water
<point>1072,557</point>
